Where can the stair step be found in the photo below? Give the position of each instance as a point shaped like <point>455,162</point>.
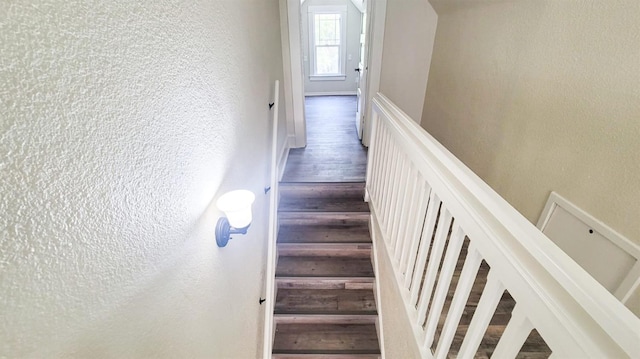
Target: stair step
<point>353,250</point>
<point>342,319</point>
<point>325,301</point>
<point>345,204</point>
<point>325,283</point>
<point>322,218</point>
<point>325,306</point>
<point>315,266</point>
<point>319,354</point>
<point>324,197</point>
<point>325,356</point>
<point>322,189</point>
<point>314,338</point>
<point>354,231</point>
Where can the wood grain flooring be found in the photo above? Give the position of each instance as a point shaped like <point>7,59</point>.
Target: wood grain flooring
<point>325,305</point>
<point>338,197</point>
<point>313,266</point>
<point>326,338</point>
<point>326,231</point>
<point>333,152</point>
<point>325,301</point>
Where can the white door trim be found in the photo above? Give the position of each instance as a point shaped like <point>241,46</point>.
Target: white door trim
<point>377,10</point>
<point>293,71</point>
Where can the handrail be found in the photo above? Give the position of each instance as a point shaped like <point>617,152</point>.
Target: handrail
<point>411,180</point>
<point>273,231</point>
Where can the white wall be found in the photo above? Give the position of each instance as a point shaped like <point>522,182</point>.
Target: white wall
<point>409,35</point>
<point>399,340</point>
<point>122,122</point>
<point>541,96</point>
<point>354,27</point>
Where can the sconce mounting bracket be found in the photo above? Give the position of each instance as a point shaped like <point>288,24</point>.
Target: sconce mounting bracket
<point>224,231</point>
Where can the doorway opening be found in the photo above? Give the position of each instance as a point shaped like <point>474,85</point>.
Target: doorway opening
<point>327,43</point>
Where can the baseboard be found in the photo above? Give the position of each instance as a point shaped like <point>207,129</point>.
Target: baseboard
<point>377,294</point>
<point>331,93</point>
<point>282,160</point>
<point>291,140</point>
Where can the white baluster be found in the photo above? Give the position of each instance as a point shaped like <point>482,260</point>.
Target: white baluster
<point>427,197</point>
<point>465,284</point>
<point>515,334</point>
<point>395,205</point>
<point>378,169</point>
<point>423,251</point>
<point>487,305</point>
<point>385,179</point>
<point>391,172</point>
<point>414,196</point>
<point>403,209</point>
<point>434,262</point>
<point>442,289</point>
<point>374,157</point>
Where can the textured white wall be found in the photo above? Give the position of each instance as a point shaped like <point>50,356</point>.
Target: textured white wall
<point>409,33</point>
<point>541,96</point>
<point>122,122</point>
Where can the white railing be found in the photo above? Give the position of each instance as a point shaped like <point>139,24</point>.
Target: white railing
<point>424,200</point>
<point>270,296</point>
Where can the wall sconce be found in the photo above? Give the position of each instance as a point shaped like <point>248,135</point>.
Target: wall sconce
<point>236,205</point>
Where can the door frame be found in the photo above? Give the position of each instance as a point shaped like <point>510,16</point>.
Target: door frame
<point>377,12</point>
<point>363,67</point>
<point>291,36</point>
<point>293,72</point>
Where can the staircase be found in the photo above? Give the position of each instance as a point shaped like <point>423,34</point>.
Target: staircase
<point>325,305</point>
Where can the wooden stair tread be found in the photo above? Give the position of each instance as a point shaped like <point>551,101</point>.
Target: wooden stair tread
<point>319,318</point>
<point>314,338</point>
<point>325,305</point>
<point>313,218</point>
<point>316,266</point>
<point>325,356</point>
<point>325,282</point>
<point>323,189</point>
<point>323,205</point>
<point>325,301</point>
<point>344,231</point>
<point>322,197</point>
<point>328,354</point>
<point>353,250</point>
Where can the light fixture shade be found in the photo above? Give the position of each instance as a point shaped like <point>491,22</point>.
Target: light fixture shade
<point>236,205</point>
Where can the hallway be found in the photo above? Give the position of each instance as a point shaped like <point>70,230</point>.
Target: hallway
<point>333,152</point>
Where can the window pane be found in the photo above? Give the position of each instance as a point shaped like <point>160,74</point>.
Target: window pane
<point>327,60</point>
<point>327,29</point>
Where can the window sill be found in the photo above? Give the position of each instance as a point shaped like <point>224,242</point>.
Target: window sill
<point>327,77</point>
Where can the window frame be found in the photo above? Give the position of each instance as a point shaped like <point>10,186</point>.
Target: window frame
<point>326,9</point>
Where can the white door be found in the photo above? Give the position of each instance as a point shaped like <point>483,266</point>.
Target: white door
<point>362,69</point>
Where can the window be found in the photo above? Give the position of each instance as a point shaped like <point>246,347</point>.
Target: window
<point>327,40</point>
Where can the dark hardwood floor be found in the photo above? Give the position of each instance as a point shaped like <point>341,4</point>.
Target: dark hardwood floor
<point>325,306</point>
<point>333,152</point>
